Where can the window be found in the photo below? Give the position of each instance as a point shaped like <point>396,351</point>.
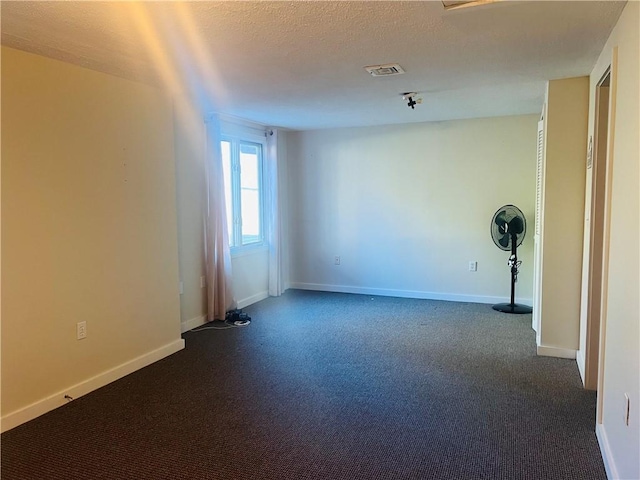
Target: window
<point>242,167</point>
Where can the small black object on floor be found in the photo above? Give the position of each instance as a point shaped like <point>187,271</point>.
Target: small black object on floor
<point>237,317</point>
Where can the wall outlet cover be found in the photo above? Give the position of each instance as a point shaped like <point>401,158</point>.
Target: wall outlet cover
<point>81,330</point>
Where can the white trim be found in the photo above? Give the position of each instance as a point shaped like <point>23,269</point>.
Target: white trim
<point>605,450</point>
<point>236,141</point>
<point>550,351</point>
<point>238,127</point>
<point>388,292</point>
<point>23,415</point>
<point>245,302</point>
<point>192,323</point>
<point>606,234</point>
<point>237,121</point>
<point>581,361</point>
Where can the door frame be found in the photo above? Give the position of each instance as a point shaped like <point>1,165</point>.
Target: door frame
<point>612,71</point>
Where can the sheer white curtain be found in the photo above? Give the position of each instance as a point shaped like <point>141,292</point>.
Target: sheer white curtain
<point>273,216</point>
<point>217,251</point>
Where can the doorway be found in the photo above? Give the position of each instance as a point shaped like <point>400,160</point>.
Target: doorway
<point>598,171</point>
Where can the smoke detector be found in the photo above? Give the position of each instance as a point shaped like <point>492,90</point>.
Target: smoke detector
<point>384,70</point>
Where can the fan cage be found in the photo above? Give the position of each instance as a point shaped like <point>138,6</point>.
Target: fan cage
<point>503,239</point>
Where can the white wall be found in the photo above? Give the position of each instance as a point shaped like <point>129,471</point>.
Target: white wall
<point>620,444</point>
<point>88,231</point>
<point>250,276</point>
<point>406,207</point>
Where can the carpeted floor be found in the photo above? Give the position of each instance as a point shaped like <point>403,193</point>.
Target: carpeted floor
<point>330,386</point>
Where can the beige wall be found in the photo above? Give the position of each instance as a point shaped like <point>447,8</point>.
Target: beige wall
<point>562,220</point>
<point>190,146</point>
<point>88,229</point>
<point>621,368</point>
<point>406,207</point>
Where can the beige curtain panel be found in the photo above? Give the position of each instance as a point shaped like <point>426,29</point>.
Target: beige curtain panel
<point>220,297</point>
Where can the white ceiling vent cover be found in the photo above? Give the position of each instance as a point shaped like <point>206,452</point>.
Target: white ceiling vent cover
<point>384,70</point>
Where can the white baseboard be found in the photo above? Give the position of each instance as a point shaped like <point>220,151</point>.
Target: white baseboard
<point>387,292</point>
<point>245,302</point>
<point>56,400</point>
<point>192,323</point>
<point>547,351</point>
<point>605,450</point>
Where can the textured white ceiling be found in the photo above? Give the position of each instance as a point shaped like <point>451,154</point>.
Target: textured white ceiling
<point>300,64</point>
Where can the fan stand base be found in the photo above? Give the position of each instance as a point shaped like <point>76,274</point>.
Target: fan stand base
<point>512,308</point>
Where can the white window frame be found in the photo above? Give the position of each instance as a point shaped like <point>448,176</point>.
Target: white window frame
<point>236,137</point>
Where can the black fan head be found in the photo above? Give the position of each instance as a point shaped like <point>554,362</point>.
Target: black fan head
<point>506,223</point>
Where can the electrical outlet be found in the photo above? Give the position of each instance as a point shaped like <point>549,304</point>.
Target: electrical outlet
<point>473,266</point>
<point>203,281</point>
<point>81,330</point>
<point>627,406</point>
<point>336,260</point>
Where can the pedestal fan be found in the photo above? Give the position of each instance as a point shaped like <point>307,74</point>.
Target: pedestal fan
<point>508,228</point>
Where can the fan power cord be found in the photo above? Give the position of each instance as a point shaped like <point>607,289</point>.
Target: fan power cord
<point>515,266</point>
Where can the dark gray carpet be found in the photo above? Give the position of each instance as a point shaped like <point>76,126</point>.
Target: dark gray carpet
<point>330,386</point>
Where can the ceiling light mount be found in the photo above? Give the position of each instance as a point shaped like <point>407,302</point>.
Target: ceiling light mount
<point>412,99</point>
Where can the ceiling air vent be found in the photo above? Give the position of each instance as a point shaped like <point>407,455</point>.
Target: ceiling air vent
<point>384,70</point>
